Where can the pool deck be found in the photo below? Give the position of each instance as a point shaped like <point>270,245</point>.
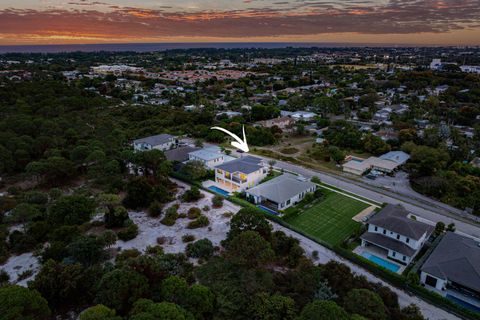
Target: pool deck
<point>377,252</point>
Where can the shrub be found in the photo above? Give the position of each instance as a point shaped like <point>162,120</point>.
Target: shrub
<point>171,215</point>
<point>129,232</point>
<point>200,249</point>
<point>155,209</point>
<point>127,254</point>
<point>4,277</point>
<point>315,179</point>
<point>194,213</point>
<point>217,201</point>
<point>25,274</point>
<point>155,250</point>
<point>200,222</point>
<point>192,195</point>
<point>188,238</point>
<point>116,217</point>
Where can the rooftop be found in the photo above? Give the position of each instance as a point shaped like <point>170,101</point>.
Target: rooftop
<point>399,157</point>
<point>155,140</point>
<point>395,218</point>
<point>281,188</point>
<point>247,164</point>
<point>456,258</point>
<point>207,154</point>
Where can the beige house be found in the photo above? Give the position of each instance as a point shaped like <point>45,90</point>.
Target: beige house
<point>240,174</point>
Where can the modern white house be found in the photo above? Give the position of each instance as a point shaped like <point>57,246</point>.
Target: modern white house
<point>161,142</point>
<point>453,269</point>
<point>393,233</point>
<point>240,174</point>
<point>281,192</point>
<point>209,156</point>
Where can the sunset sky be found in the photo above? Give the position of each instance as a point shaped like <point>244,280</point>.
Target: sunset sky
<point>418,22</point>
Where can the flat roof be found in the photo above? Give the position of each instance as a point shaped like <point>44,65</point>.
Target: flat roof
<point>247,164</point>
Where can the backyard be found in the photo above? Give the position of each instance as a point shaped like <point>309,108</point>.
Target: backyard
<point>329,220</point>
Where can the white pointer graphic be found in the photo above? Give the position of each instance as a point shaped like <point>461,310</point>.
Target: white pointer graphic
<point>240,144</point>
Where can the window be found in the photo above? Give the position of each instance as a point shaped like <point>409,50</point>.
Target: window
<point>376,229</point>
<point>431,281</point>
<point>398,237</point>
<point>404,258</point>
<point>408,240</point>
<point>288,201</point>
<point>393,254</point>
<point>384,231</point>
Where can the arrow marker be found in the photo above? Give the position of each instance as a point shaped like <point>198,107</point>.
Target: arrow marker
<point>240,144</point>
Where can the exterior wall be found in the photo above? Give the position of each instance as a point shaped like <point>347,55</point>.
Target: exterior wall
<point>252,179</point>
<point>391,253</point>
<point>287,202</point>
<point>441,284</point>
<point>208,163</point>
<point>353,170</point>
<point>412,243</point>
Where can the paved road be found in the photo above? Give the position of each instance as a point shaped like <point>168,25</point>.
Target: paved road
<point>430,210</point>
<point>324,255</point>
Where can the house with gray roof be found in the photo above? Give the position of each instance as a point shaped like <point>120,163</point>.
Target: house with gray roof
<point>240,174</point>
<point>161,142</point>
<point>453,268</point>
<point>209,156</point>
<point>281,192</point>
<point>399,157</point>
<point>179,154</point>
<point>392,232</point>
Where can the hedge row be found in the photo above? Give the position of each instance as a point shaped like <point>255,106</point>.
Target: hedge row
<point>394,279</point>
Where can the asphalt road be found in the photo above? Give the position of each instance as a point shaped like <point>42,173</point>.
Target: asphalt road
<point>430,210</point>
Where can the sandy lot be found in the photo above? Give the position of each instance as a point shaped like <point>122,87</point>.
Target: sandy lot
<point>150,228</point>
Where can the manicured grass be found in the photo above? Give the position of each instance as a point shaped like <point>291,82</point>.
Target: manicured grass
<point>329,220</point>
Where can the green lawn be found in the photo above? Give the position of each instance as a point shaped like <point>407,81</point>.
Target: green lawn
<point>330,220</point>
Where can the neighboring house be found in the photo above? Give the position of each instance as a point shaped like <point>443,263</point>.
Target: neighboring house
<point>304,115</point>
<point>281,192</point>
<point>240,174</point>
<point>230,114</point>
<point>210,156</point>
<point>179,154</point>
<point>392,231</point>
<point>160,142</point>
<point>475,162</point>
<point>282,122</point>
<point>453,268</point>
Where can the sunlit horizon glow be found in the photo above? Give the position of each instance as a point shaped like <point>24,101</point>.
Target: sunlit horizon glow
<point>391,22</point>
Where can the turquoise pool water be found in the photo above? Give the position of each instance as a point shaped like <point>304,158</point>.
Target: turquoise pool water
<point>381,262</point>
<point>219,191</point>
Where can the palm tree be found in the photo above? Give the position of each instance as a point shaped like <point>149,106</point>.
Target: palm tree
<point>271,163</point>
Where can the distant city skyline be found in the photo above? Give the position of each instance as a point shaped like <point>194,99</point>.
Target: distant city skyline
<point>390,22</point>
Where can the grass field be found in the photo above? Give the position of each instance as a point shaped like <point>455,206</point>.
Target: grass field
<point>330,220</point>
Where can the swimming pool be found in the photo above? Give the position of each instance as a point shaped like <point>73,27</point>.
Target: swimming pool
<point>219,191</point>
<point>275,213</point>
<point>463,303</point>
<point>381,262</point>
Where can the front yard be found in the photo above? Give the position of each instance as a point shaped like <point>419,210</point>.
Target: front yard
<point>329,220</point>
